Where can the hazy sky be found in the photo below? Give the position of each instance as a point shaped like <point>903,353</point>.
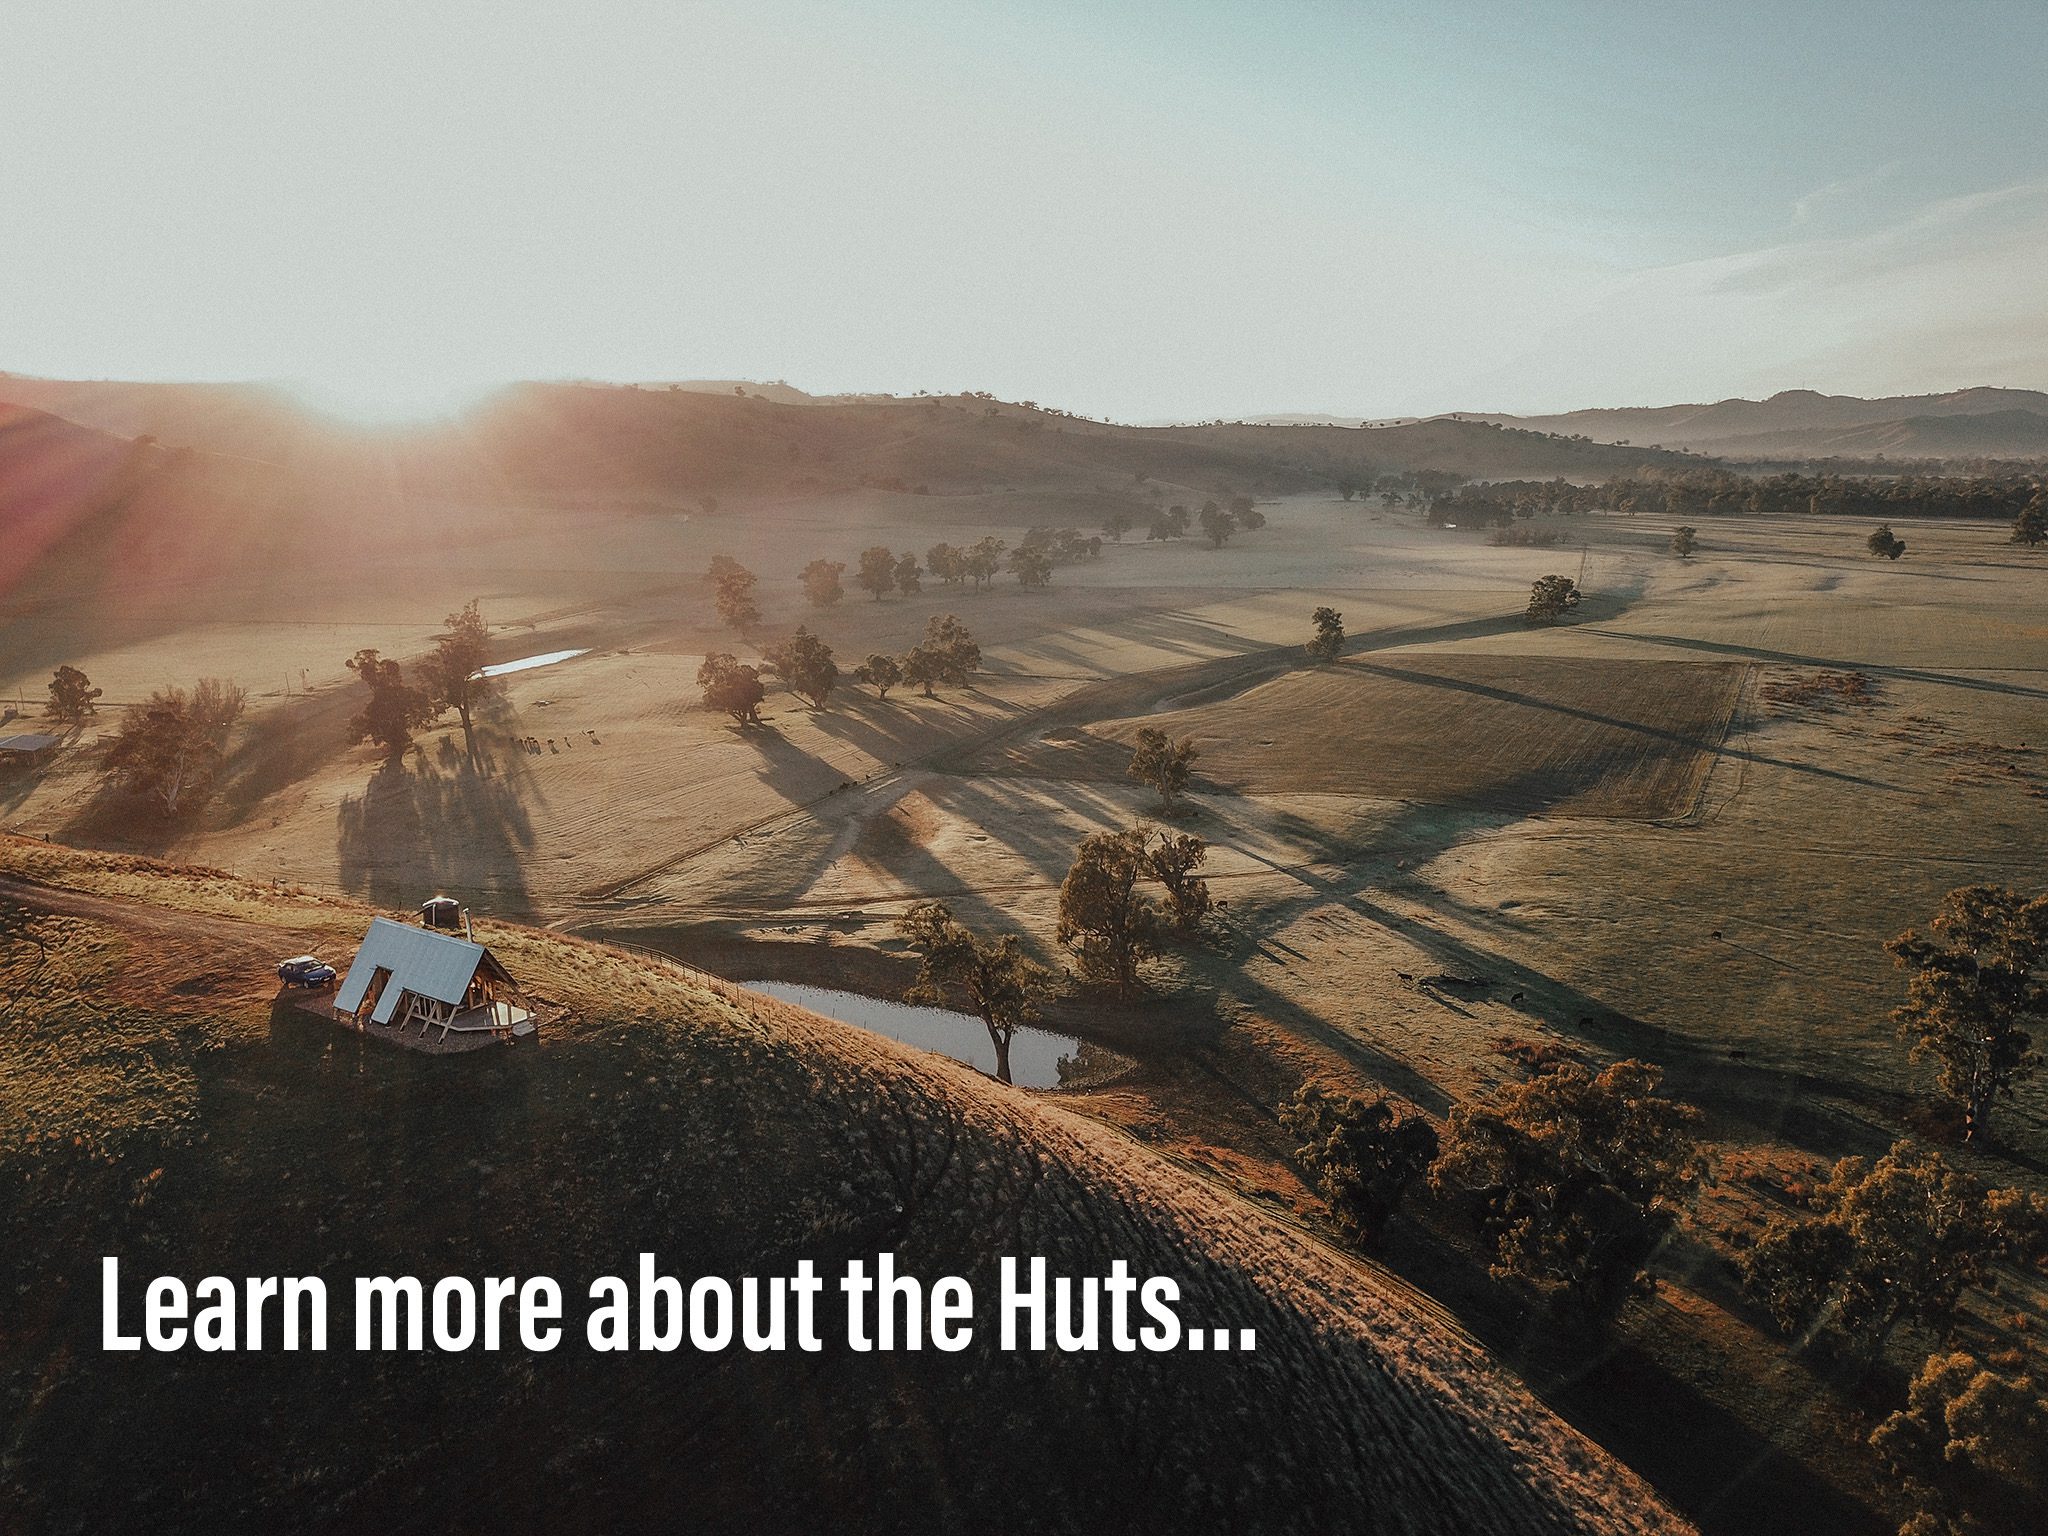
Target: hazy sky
<point>1133,209</point>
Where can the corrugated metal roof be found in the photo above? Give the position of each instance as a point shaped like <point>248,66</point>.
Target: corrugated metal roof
<point>28,741</point>
<point>419,960</point>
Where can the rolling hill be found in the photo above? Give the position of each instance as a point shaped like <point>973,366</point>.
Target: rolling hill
<point>569,439</point>
<point>157,1103</point>
<point>1801,423</point>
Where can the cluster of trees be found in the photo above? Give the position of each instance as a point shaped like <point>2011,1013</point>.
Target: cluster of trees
<point>1573,1177</point>
<point>1899,1243</point>
<point>1410,487</point>
<point>1107,917</point>
<point>882,571</point>
<point>1039,552</point>
<point>1570,1180</point>
<point>1107,920</point>
<point>449,677</point>
<point>977,564</point>
<point>171,746</point>
<point>1362,1155</point>
<point>1708,491</point>
<point>1970,1448</point>
<point>948,654</point>
<point>1217,520</point>
<point>1881,1245</point>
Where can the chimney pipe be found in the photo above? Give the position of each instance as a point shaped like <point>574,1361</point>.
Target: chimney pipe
<point>467,932</point>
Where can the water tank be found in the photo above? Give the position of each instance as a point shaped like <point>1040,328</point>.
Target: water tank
<point>443,912</point>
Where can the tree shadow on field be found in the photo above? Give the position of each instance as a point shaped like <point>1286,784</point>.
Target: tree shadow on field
<point>19,781</point>
<point>431,824</point>
<point>1788,1105</point>
<point>1723,1471</point>
<point>900,730</point>
<point>786,769</point>
<point>117,817</point>
<point>284,745</point>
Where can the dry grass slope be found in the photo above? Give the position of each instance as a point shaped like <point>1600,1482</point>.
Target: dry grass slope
<point>191,1126</point>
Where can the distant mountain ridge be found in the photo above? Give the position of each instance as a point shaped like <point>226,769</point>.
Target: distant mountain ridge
<point>641,440</point>
<point>1803,423</point>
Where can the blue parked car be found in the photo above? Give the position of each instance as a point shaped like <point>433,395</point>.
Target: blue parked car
<point>305,971</point>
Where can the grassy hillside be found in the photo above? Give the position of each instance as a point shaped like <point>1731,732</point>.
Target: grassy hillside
<point>565,439</point>
<point>156,1104</point>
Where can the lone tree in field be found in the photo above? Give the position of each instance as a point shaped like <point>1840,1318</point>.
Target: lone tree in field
<point>1883,542</point>
<point>1117,524</point>
<point>173,745</point>
<point>909,579</point>
<point>1217,525</point>
<point>1970,1448</point>
<point>1109,923</point>
<point>877,573</point>
<point>1573,1179</point>
<point>732,586</point>
<point>946,563</point>
<point>1977,979</point>
<point>947,655</point>
<point>1001,984</point>
<point>1173,862</point>
<point>821,582</point>
<point>1245,515</point>
<point>1890,1243</point>
<point>72,695</point>
<point>452,674</point>
<point>1551,598</point>
<point>395,709</point>
<point>805,665</point>
<point>731,686</point>
<point>1684,541</point>
<point>1329,639</point>
<point>880,673</point>
<point>2031,526</point>
<point>1163,763</point>
<point>1363,1155</point>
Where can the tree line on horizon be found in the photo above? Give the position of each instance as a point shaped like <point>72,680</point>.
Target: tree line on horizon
<point>2014,497</point>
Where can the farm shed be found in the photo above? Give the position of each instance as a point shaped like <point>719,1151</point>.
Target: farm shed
<point>27,748</point>
<point>403,976</point>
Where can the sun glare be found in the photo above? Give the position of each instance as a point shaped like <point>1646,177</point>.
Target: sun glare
<point>390,400</point>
